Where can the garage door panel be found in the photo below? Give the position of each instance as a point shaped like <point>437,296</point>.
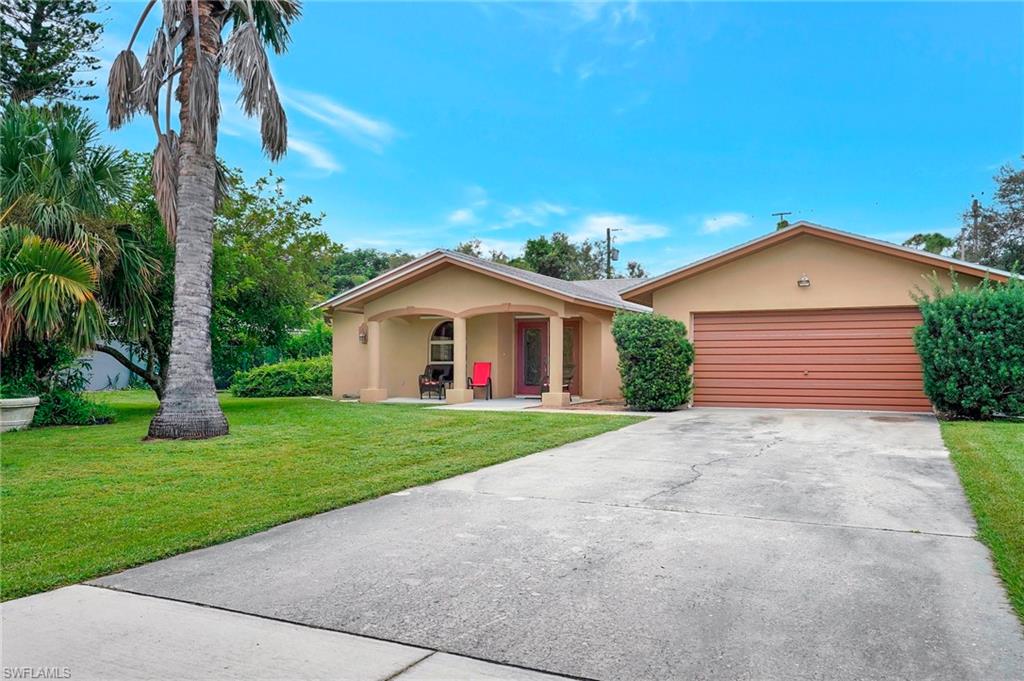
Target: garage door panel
<point>912,374</point>
<point>845,358</point>
<point>857,342</point>
<point>824,334</point>
<point>797,403</point>
<point>825,396</point>
<point>743,384</point>
<point>710,319</point>
<point>804,325</point>
<point>834,348</point>
<point>842,359</point>
<point>823,399</point>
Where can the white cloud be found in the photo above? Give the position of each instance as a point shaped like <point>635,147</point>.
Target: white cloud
<point>588,12</point>
<point>713,224</point>
<point>462,216</point>
<point>585,70</point>
<point>535,214</point>
<point>359,128</point>
<point>617,23</point>
<point>629,228</point>
<point>317,156</point>
<point>234,123</point>
<point>477,196</point>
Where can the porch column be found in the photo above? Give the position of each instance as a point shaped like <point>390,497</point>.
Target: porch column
<point>459,392</point>
<point>373,392</point>
<point>556,338</point>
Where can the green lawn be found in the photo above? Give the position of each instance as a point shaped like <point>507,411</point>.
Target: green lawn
<point>990,459</point>
<point>82,502</point>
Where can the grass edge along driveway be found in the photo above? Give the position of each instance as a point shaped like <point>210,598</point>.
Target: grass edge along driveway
<point>989,457</point>
<point>81,502</point>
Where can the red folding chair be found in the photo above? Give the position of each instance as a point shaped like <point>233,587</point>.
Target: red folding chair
<point>481,377</point>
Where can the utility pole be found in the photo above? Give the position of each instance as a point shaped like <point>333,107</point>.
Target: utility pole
<point>975,215</point>
<point>609,252</point>
<point>783,222</point>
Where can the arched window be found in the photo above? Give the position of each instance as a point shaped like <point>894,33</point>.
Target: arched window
<point>442,344</point>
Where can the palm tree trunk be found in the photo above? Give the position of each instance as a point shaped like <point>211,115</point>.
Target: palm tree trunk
<point>189,408</point>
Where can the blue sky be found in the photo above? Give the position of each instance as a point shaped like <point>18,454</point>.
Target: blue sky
<point>685,124</point>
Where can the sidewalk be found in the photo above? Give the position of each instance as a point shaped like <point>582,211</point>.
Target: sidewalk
<point>87,632</point>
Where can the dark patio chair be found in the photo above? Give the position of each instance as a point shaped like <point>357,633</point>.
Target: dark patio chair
<point>434,380</point>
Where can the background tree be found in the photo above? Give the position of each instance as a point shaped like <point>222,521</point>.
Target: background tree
<point>269,257</point>
<point>189,44</point>
<point>472,247</point>
<point>46,49</point>
<point>994,234</point>
<point>933,242</point>
<point>634,270</point>
<point>557,256</point>
<point>271,263</point>
<point>351,268</point>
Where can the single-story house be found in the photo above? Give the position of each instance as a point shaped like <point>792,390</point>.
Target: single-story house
<point>807,316</point>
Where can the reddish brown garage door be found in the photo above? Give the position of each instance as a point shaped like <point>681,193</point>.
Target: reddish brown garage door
<point>832,359</point>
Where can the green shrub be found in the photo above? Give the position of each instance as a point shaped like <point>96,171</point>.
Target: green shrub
<point>972,349</point>
<point>19,386</point>
<point>285,379</point>
<point>314,341</point>
<point>654,360</point>
<point>60,388</point>
<point>63,407</point>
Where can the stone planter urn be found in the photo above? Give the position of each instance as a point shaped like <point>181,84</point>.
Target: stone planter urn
<point>17,412</point>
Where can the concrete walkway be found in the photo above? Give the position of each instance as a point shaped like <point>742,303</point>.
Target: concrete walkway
<point>712,544</point>
<point>87,632</point>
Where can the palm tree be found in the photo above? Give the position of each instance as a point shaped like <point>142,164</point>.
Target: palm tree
<point>47,290</point>
<point>188,44</point>
<point>56,242</point>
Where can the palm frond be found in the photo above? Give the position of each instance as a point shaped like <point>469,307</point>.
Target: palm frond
<point>273,124</point>
<point>154,71</point>
<point>204,102</point>
<point>43,281</point>
<point>128,287</point>
<point>272,19</point>
<point>222,187</point>
<point>245,57</point>
<point>174,12</point>
<point>125,78</point>
<point>165,182</point>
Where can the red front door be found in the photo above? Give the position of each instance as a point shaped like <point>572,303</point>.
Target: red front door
<point>531,355</point>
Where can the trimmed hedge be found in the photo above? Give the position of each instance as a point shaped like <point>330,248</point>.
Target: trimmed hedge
<point>972,349</point>
<point>655,357</point>
<point>285,379</point>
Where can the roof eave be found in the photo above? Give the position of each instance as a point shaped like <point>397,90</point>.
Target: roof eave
<point>344,299</point>
<point>800,228</point>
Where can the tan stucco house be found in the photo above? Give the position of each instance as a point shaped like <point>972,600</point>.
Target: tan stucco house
<point>807,316</point>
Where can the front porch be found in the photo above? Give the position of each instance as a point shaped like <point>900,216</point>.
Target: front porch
<point>517,346</point>
<point>446,311</point>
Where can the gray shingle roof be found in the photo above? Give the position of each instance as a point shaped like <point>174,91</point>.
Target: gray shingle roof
<point>608,286</point>
<point>600,292</point>
<point>604,291</point>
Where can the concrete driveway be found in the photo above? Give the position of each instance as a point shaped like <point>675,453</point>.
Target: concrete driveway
<point>703,544</point>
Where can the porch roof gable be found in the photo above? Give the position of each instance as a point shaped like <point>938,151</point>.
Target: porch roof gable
<point>582,293</point>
